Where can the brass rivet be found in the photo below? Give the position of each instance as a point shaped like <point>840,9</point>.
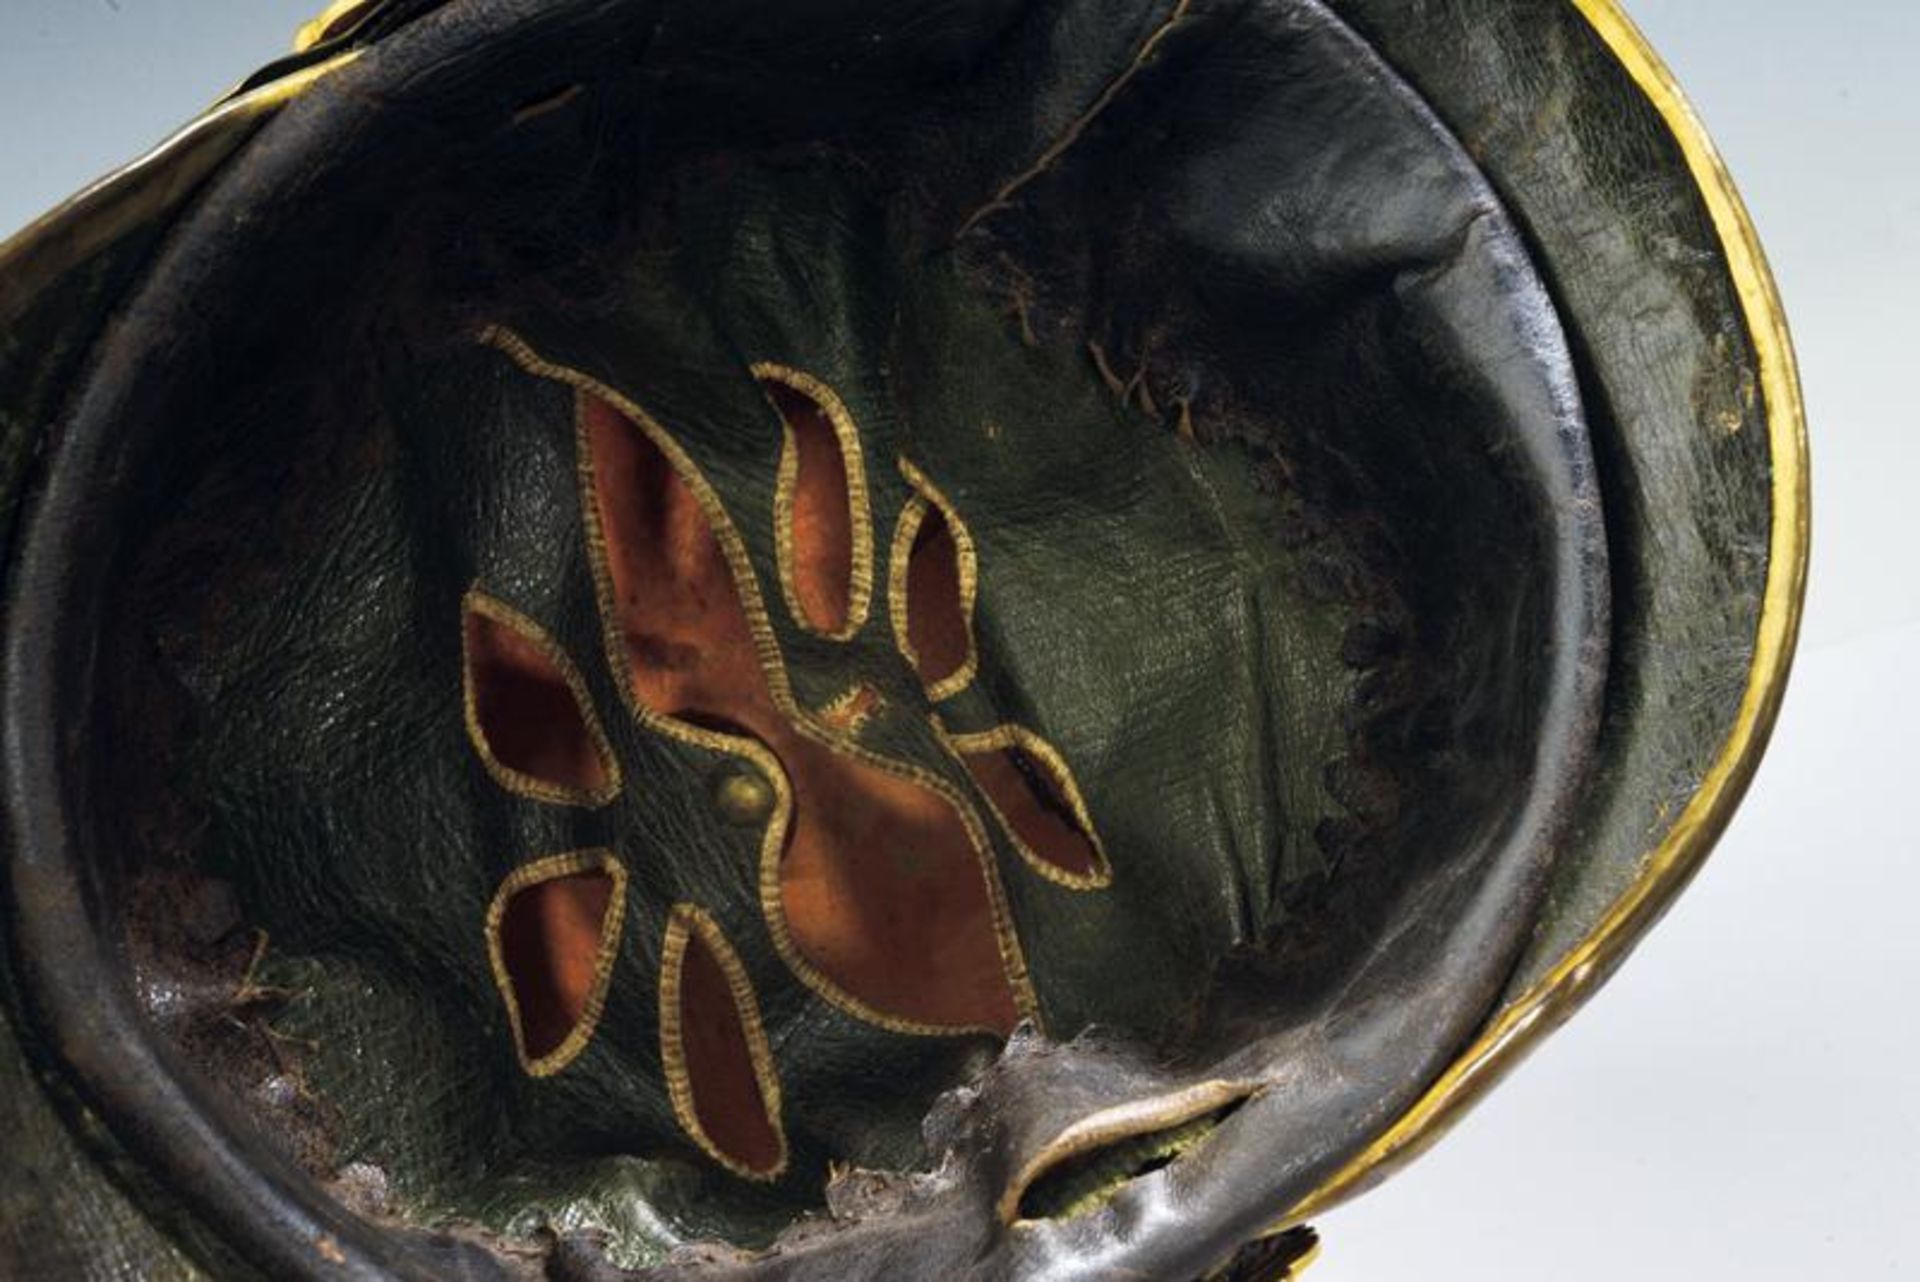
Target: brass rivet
<point>743,796</point>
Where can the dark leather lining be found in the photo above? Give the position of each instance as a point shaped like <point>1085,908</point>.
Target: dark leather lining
<point>1342,314</point>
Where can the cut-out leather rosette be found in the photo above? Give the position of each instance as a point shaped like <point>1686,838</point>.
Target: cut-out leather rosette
<point>797,645</point>
<point>876,879</point>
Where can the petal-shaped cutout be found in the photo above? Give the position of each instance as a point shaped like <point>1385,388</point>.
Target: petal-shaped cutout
<point>528,714</point>
<point>878,881</point>
<point>687,640</point>
<point>719,1068</point>
<point>823,527</point>
<point>934,576</point>
<point>552,933</point>
<point>1034,795</point>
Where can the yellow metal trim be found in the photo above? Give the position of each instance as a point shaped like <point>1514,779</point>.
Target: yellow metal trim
<point>159,181</point>
<point>1679,856</point>
<point>150,187</point>
<point>334,20</point>
<point>1305,1262</point>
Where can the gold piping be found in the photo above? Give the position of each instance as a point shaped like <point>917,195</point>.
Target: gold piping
<point>1019,738</point>
<point>478,602</point>
<point>1013,959</point>
<point>682,924</point>
<point>900,558</point>
<point>549,869</point>
<point>860,594</point>
<point>1679,855</point>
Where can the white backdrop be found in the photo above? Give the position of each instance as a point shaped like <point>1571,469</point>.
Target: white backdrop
<point>1744,1102</point>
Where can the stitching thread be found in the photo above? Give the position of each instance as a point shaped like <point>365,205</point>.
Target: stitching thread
<point>1079,125</point>
<point>1019,738</point>
<point>927,496</point>
<point>685,921</point>
<point>477,601</point>
<point>552,868</point>
<point>860,592</point>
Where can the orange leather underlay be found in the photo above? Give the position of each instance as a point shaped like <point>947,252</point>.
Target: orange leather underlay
<point>726,1090</point>
<point>527,712</point>
<point>936,613</point>
<point>1034,809</point>
<point>550,945</point>
<point>882,888</point>
<point>822,532</point>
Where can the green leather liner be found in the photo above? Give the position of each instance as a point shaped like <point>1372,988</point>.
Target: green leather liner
<point>1670,379</point>
<point>1286,544</point>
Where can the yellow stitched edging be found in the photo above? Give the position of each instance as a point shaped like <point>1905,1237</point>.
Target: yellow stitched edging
<point>549,869</point>
<point>900,557</point>
<point>1019,738</point>
<point>1679,856</point>
<point>685,921</point>
<point>773,664</point>
<point>479,602</point>
<point>860,595</point>
<point>1013,961</point>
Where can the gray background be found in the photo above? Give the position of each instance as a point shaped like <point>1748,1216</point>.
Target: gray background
<point>1744,1102</point>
